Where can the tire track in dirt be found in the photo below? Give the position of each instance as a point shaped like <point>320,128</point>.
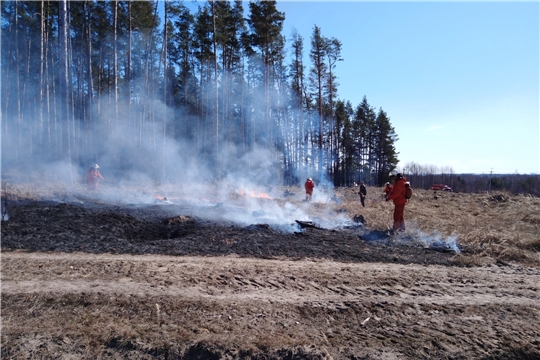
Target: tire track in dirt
<point>235,279</point>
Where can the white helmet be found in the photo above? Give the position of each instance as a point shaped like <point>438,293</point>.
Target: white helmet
<point>393,173</point>
<point>387,183</point>
<point>96,166</point>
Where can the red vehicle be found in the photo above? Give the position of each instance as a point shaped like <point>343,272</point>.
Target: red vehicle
<point>441,187</point>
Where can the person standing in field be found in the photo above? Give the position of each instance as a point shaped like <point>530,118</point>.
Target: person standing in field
<point>309,185</point>
<point>397,195</point>
<point>387,189</point>
<point>92,177</point>
<point>362,193</point>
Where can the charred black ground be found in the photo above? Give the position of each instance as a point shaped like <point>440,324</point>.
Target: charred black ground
<point>152,229</point>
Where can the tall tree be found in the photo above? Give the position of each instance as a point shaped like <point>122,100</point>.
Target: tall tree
<point>180,52</point>
<point>266,24</point>
<point>318,74</point>
<point>386,155</point>
<point>64,82</point>
<point>216,83</point>
<point>364,133</point>
<point>333,55</point>
<point>298,91</point>
<point>204,55</point>
<point>230,26</point>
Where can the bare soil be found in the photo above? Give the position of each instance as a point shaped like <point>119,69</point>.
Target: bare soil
<point>84,278</point>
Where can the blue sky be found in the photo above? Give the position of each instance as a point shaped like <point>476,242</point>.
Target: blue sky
<point>459,80</point>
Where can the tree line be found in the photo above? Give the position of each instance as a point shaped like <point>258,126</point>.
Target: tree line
<point>74,72</point>
<point>423,176</point>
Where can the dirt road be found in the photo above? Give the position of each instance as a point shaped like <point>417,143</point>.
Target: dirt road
<point>231,307</point>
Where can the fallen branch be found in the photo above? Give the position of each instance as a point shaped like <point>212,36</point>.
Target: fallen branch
<point>306,224</point>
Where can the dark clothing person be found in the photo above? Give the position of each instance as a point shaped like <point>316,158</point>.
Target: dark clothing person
<point>397,195</point>
<point>362,193</point>
<point>309,185</point>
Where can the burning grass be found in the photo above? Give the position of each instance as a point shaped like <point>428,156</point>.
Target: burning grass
<point>481,227</point>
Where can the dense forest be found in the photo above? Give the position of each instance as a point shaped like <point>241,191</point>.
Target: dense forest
<point>151,85</point>
<point>154,88</point>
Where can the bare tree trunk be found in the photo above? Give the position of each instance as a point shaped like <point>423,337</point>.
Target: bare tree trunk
<point>17,78</point>
<point>242,112</point>
<point>163,55</point>
<point>6,78</point>
<point>215,79</point>
<point>147,113</point>
<point>73,128</point>
<point>128,81</point>
<point>165,39</point>
<point>185,110</point>
<point>25,102</point>
<point>128,67</point>
<point>63,76</point>
<point>116,58</point>
<point>89,78</point>
<point>47,85</point>
<point>266,72</point>
<point>41,72</point>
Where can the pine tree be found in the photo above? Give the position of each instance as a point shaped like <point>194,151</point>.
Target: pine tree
<point>209,68</point>
<point>386,155</point>
<point>266,23</point>
<point>333,55</point>
<point>317,81</point>
<point>298,99</point>
<point>180,56</point>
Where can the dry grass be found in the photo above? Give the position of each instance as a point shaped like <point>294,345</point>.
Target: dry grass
<point>499,225</point>
<point>39,190</point>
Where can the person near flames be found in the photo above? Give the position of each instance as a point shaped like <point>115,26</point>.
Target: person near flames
<point>397,195</point>
<point>309,185</point>
<point>92,177</point>
<point>362,193</point>
<point>387,189</point>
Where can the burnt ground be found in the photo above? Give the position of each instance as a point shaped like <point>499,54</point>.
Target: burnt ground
<point>90,279</point>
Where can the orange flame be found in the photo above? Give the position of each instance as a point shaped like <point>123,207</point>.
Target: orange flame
<point>259,195</point>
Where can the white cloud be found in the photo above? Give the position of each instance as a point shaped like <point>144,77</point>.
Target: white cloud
<point>433,128</point>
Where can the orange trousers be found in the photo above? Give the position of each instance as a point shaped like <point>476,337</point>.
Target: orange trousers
<point>399,220</point>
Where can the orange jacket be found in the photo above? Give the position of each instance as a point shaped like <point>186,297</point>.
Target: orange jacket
<point>397,195</point>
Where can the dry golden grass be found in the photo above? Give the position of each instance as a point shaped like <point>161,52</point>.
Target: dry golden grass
<point>498,225</point>
<point>39,190</point>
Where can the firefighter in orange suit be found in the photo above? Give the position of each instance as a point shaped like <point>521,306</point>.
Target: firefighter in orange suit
<point>397,195</point>
<point>92,177</point>
<point>387,190</point>
<point>309,185</point>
